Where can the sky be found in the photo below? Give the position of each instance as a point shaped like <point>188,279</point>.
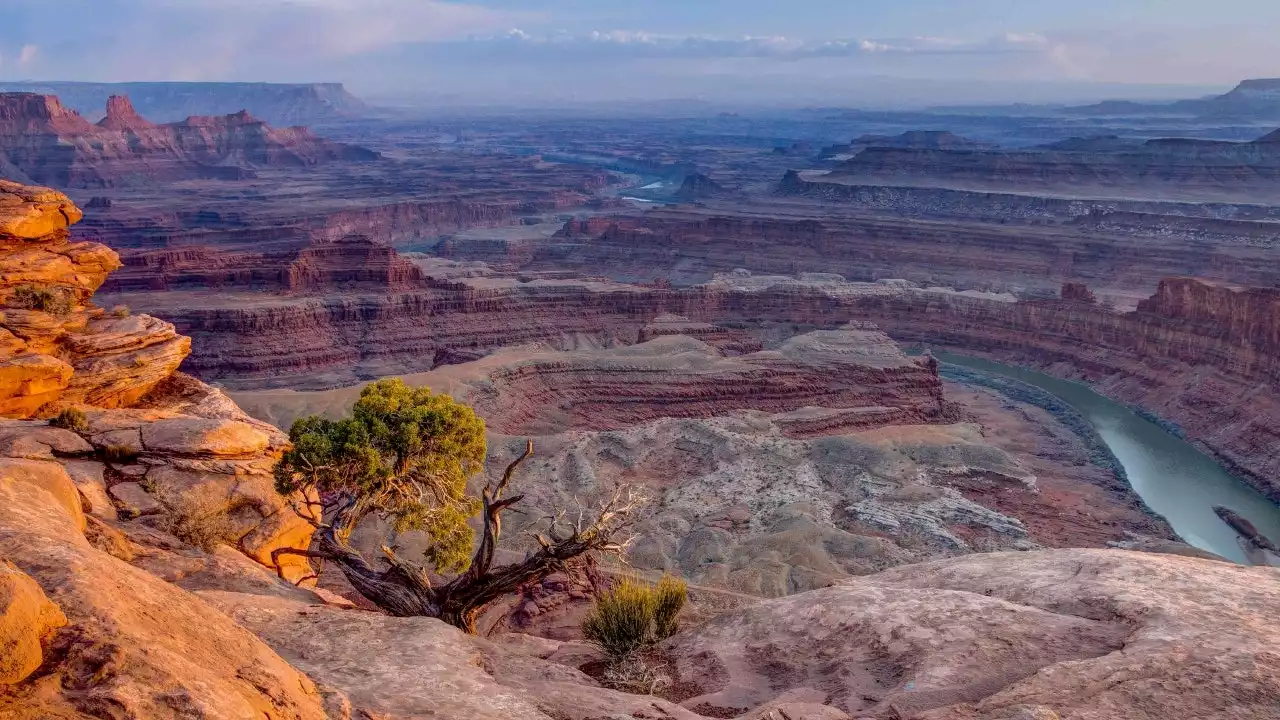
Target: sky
<point>549,51</point>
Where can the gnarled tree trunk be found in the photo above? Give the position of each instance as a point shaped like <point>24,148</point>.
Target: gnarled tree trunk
<point>404,589</point>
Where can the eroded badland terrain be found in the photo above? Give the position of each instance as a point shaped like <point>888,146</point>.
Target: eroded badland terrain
<point>745,317</point>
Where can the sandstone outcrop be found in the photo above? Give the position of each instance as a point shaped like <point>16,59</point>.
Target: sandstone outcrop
<point>1075,633</point>
<point>281,104</point>
<point>856,371</point>
<point>27,618</point>
<point>57,347</point>
<point>698,187</point>
<point>133,645</point>
<point>51,145</point>
<point>153,443</point>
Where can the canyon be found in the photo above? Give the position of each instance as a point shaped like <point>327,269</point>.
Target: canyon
<point>705,309</point>
<point>43,142</point>
<point>279,104</point>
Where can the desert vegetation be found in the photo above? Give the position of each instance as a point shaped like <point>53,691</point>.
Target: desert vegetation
<point>633,615</point>
<point>72,419</point>
<point>626,624</point>
<point>405,455</point>
<point>51,300</point>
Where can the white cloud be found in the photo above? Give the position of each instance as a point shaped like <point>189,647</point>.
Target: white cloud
<point>27,54</point>
<point>640,44</point>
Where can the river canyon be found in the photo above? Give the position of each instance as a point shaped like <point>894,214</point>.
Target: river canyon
<point>858,366</point>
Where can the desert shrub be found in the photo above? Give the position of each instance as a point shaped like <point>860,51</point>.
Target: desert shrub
<point>669,596</point>
<point>120,311</point>
<point>52,301</point>
<point>120,454</point>
<point>197,520</point>
<point>634,614</point>
<point>72,419</point>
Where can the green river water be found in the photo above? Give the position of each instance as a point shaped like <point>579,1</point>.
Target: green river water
<point>1174,478</point>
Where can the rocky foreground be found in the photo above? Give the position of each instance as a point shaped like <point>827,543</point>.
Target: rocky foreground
<point>1060,634</point>
<point>111,607</point>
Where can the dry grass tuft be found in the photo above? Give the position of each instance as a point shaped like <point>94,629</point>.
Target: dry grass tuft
<point>634,615</point>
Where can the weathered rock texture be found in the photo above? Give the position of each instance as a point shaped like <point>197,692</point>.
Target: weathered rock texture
<point>27,618</point>
<point>772,472</point>
<point>155,443</point>
<point>56,346</point>
<point>43,142</point>
<point>851,378</point>
<point>133,645</point>
<point>1071,634</point>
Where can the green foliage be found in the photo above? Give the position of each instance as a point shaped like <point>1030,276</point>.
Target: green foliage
<point>52,301</point>
<point>405,454</point>
<point>669,596</point>
<point>634,614</point>
<point>120,311</point>
<point>72,419</point>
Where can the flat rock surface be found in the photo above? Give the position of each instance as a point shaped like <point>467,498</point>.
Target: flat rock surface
<point>422,668</point>
<point>133,643</point>
<point>200,436</point>
<point>1081,633</point>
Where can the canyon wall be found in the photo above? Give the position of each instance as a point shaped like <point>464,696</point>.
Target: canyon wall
<point>44,142</point>
<point>280,104</point>
<point>1197,354</point>
<point>996,249</point>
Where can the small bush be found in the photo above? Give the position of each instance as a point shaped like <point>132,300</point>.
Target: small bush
<point>52,301</point>
<point>669,596</point>
<point>72,419</point>
<point>197,521</point>
<point>119,454</point>
<point>634,614</point>
<point>120,311</point>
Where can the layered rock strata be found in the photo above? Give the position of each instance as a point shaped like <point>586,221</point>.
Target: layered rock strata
<point>152,443</point>
<point>43,142</point>
<point>57,347</point>
<point>772,472</point>
<point>1162,166</point>
<point>1198,354</point>
<point>281,104</point>
<point>973,241</point>
<point>854,377</point>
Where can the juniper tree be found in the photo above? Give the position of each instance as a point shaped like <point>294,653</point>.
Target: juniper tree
<point>406,455</point>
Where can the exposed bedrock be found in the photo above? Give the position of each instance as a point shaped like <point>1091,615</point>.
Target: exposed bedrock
<point>854,377</point>
<point>1199,354</point>
<point>998,251</point>
<point>918,201</point>
<point>146,443</point>
<point>1184,167</point>
<point>43,142</point>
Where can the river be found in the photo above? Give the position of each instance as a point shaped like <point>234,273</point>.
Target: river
<point>1174,478</point>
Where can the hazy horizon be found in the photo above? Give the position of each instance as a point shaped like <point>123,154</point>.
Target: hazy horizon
<point>748,52</point>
